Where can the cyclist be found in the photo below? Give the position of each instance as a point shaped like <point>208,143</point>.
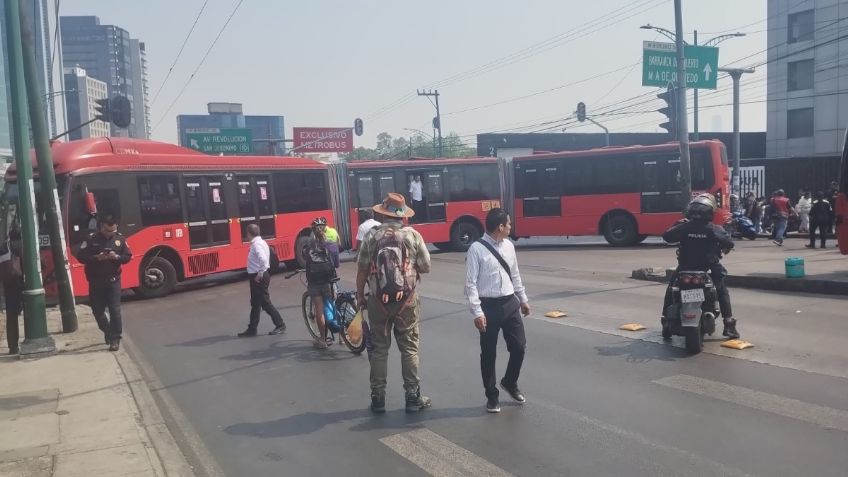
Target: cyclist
<point>320,274</point>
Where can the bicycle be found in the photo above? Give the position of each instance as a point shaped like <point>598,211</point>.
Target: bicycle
<point>345,312</point>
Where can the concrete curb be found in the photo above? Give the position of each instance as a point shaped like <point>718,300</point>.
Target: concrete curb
<point>172,459</point>
<point>794,285</point>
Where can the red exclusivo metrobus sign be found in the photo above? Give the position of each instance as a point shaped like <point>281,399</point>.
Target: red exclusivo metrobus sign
<point>323,140</point>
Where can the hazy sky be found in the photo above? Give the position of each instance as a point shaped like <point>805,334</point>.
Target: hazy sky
<point>326,62</point>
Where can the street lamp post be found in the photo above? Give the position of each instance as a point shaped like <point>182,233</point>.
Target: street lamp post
<point>736,73</point>
<point>711,42</point>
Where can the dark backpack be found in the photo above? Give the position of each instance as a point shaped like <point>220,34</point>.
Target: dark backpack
<point>391,266</point>
<point>319,265</point>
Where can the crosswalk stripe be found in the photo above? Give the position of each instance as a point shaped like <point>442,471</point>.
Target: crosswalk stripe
<point>440,457</point>
<point>820,415</point>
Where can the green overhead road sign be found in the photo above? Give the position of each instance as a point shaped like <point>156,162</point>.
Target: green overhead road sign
<point>220,141</point>
<point>659,65</point>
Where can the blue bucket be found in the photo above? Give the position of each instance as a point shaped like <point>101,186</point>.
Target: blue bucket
<point>795,267</point>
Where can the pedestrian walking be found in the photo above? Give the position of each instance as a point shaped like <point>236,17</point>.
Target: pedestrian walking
<point>821,218</point>
<point>103,253</point>
<point>320,275</point>
<point>497,299</point>
<point>781,210</point>
<point>259,277</point>
<point>416,195</point>
<point>11,273</point>
<point>391,259</point>
<point>804,205</point>
<point>368,223</point>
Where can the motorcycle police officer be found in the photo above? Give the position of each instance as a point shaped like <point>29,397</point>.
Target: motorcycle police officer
<point>701,245</point>
<point>103,253</point>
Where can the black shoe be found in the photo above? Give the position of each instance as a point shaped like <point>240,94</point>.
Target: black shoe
<point>492,405</point>
<point>247,333</point>
<point>666,330</point>
<point>106,339</point>
<point>14,350</point>
<point>115,345</point>
<point>278,330</point>
<point>416,402</point>
<point>378,403</point>
<point>730,329</point>
<point>514,393</point>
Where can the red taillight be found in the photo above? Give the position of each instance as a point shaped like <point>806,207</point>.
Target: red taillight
<point>685,280</point>
<point>697,281</point>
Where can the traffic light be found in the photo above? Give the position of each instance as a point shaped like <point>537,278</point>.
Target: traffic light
<point>103,112</point>
<point>581,111</point>
<point>436,123</point>
<point>670,110</point>
<point>357,126</point>
<point>120,111</point>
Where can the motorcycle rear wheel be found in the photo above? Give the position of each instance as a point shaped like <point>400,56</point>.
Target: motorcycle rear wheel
<point>694,339</point>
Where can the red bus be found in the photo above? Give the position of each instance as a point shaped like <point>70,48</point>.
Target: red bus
<point>842,201</point>
<point>622,193</point>
<point>184,213</point>
<point>457,194</point>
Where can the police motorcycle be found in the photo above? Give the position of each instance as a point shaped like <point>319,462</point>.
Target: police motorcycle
<point>694,309</point>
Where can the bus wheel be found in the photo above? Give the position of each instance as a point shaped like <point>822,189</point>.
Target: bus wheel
<point>463,235</point>
<point>298,250</point>
<point>620,230</point>
<point>158,278</point>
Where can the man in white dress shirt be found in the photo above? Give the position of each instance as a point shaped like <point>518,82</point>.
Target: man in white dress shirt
<point>258,272</point>
<point>497,299</point>
<point>416,195</point>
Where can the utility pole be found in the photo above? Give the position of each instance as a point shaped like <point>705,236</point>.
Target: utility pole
<point>695,135</point>
<point>437,121</point>
<point>683,126</point>
<point>736,74</point>
<point>36,339</point>
<point>47,181</point>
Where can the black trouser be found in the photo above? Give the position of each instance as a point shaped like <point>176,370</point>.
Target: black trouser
<point>501,314</point>
<point>103,294</point>
<point>717,273</point>
<point>12,294</point>
<point>260,300</point>
<point>823,228</point>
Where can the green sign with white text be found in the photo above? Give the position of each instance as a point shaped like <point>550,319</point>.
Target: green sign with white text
<point>220,141</point>
<point>659,65</point>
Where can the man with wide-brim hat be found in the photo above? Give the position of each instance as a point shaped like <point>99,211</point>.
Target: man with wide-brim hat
<point>391,259</point>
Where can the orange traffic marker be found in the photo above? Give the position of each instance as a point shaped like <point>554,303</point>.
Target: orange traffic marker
<point>632,327</point>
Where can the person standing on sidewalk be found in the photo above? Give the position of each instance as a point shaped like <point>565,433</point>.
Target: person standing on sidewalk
<point>821,218</point>
<point>391,259</point>
<point>13,285</point>
<point>497,298</point>
<point>103,253</point>
<point>781,210</point>
<point>259,275</point>
<point>804,205</point>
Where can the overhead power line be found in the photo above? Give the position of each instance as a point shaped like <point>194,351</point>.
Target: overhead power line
<point>179,53</point>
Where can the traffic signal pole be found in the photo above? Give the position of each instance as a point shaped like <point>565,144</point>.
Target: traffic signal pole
<point>47,180</point>
<point>36,339</point>
<point>736,74</point>
<point>682,120</point>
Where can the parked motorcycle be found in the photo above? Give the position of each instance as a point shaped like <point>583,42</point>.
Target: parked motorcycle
<point>739,225</point>
<point>694,310</point>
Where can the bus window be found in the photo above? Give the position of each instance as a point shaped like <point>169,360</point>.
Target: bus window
<point>614,175</point>
<point>474,183</point>
<point>578,176</point>
<point>160,200</point>
<point>300,191</point>
<point>702,169</point>
<point>197,231</point>
<point>542,192</point>
<point>387,185</point>
<point>365,191</point>
<point>218,217</point>
<point>81,222</point>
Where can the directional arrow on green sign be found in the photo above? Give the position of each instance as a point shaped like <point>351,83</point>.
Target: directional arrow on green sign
<point>659,65</point>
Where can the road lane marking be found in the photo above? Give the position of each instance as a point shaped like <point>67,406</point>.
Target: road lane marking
<point>440,457</point>
<point>814,414</point>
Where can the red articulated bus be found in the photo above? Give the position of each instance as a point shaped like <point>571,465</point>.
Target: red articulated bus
<point>184,213</point>
<point>622,193</point>
<point>457,195</point>
<point>842,201</point>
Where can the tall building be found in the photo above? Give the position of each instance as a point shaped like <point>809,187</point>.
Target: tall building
<point>807,77</point>
<point>81,95</point>
<point>141,115</point>
<point>40,18</point>
<point>106,53</point>
<point>266,132</point>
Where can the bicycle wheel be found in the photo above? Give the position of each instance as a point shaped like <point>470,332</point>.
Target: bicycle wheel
<point>309,316</point>
<point>345,313</point>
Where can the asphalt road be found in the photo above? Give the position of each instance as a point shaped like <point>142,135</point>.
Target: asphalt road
<point>600,401</point>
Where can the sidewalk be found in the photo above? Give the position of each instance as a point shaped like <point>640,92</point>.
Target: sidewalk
<point>82,412</point>
<point>759,264</point>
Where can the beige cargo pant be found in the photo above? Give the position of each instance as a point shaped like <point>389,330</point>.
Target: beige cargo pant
<point>405,328</point>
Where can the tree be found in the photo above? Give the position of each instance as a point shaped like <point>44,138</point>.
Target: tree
<point>389,148</point>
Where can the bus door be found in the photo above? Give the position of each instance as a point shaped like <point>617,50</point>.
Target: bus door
<point>255,205</point>
<point>433,207</point>
<point>372,187</point>
<point>208,223</point>
<point>661,191</point>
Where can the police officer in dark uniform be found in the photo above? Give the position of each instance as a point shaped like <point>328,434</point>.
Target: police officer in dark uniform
<point>103,253</point>
<point>702,244</point>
